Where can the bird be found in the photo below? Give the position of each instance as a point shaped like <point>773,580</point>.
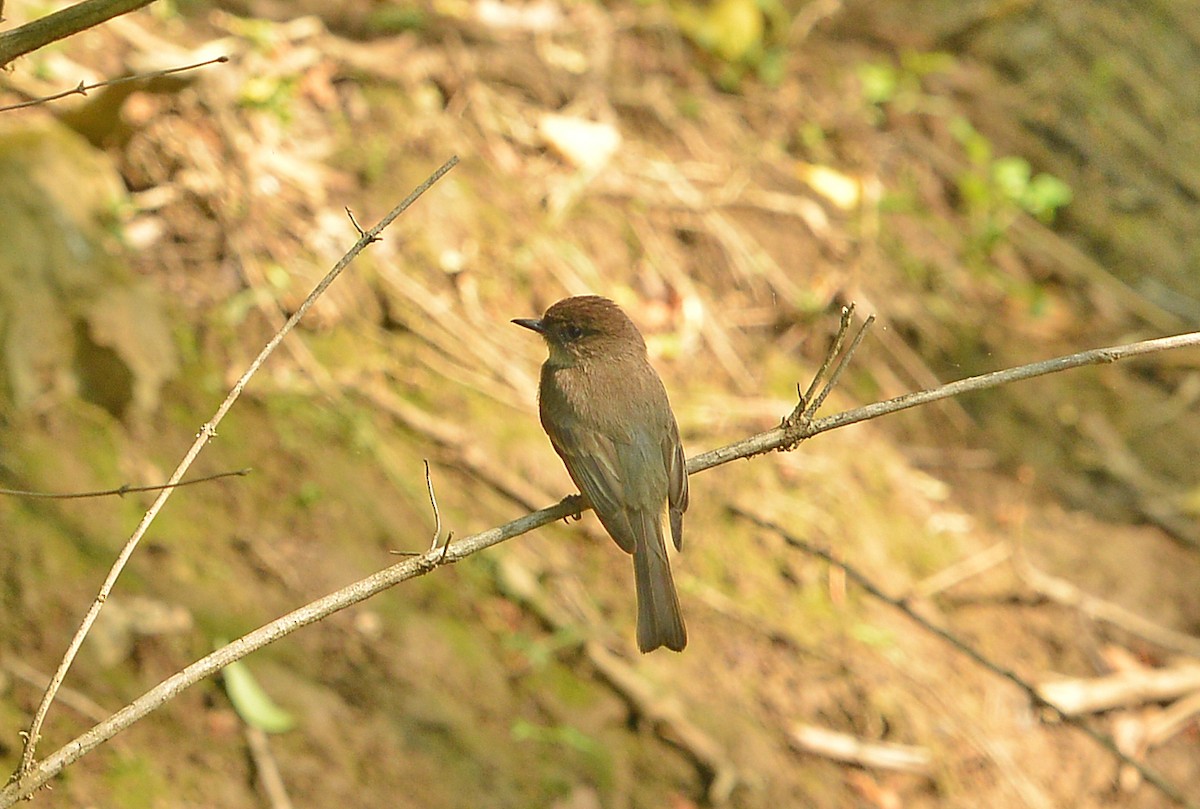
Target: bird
<point>608,417</point>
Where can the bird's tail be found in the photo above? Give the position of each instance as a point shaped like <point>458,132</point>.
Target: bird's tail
<point>659,621</point>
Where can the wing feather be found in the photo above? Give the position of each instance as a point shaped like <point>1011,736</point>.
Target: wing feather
<point>593,461</point>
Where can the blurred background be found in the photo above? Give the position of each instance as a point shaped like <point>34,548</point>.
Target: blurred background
<point>996,182</point>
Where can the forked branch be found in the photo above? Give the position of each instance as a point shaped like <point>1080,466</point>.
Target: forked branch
<point>784,436</point>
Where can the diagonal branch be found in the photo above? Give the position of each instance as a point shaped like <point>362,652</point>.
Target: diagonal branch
<point>771,440</point>
<point>207,432</point>
<point>1038,696</point>
<point>61,24</point>
<point>788,434</point>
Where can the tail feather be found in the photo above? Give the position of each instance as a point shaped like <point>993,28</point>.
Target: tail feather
<point>659,621</point>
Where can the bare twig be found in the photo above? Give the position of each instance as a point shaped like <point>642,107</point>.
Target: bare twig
<point>60,25</point>
<point>437,515</point>
<point>1034,693</point>
<point>786,434</point>
<point>76,701</point>
<point>1079,696</point>
<point>1172,719</point>
<point>207,432</point>
<point>961,571</point>
<point>353,221</point>
<point>268,771</point>
<point>1063,592</point>
<point>810,400</point>
<point>121,491</point>
<point>830,356</point>
<point>768,441</point>
<point>863,753</point>
<point>33,779</point>
<point>1141,731</point>
<point>812,407</point>
<point>82,89</point>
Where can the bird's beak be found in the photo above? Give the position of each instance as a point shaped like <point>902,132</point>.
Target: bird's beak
<point>534,324</point>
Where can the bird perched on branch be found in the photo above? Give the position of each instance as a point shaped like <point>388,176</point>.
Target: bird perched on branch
<point>608,417</point>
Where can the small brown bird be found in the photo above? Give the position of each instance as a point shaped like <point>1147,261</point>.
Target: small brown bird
<point>608,417</point>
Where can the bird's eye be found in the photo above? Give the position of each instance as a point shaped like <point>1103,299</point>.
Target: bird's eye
<point>572,332</point>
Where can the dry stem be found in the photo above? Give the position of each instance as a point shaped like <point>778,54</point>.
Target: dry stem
<point>1036,694</point>
<point>60,25</point>
<point>768,441</point>
<point>208,431</point>
<point>82,89</point>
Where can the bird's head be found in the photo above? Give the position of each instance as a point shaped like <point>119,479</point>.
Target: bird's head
<point>584,328</point>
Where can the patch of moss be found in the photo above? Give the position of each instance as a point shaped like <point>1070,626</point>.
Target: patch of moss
<point>137,779</point>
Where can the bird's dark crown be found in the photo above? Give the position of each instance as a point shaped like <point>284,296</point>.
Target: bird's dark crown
<point>574,319</point>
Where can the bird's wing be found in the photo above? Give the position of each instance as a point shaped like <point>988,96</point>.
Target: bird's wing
<point>594,463</point>
<point>677,483</point>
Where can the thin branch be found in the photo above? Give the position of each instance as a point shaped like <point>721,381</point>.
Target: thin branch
<point>961,571</point>
<point>123,490</point>
<point>768,441</point>
<point>843,327</point>
<point>62,24</point>
<point>208,431</point>
<point>1032,692</point>
<point>788,434</point>
<point>82,89</point>
<point>268,770</point>
<point>812,407</point>
<point>437,515</point>
<point>81,703</point>
<point>353,221</point>
<point>1172,719</point>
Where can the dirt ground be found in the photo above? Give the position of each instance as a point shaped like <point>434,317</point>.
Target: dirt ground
<point>732,206</point>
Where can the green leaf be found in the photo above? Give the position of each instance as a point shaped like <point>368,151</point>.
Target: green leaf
<point>1045,195</point>
<point>879,82</point>
<point>1011,175</point>
<point>252,703</point>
